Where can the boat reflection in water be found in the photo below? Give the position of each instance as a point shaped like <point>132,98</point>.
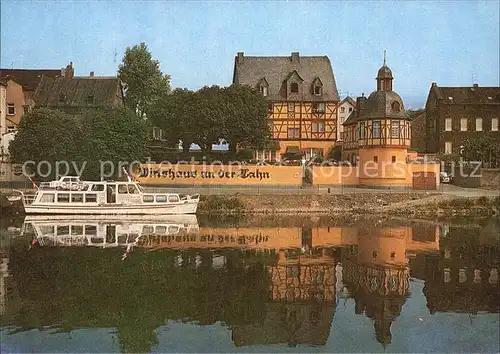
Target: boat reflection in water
<point>269,285</point>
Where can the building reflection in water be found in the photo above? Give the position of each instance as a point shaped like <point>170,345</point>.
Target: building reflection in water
<point>273,285</point>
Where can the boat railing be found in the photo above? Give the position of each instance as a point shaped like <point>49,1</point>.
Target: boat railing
<point>29,198</point>
<point>190,197</point>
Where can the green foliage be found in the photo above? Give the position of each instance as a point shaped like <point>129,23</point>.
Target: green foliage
<point>481,148</point>
<point>114,135</point>
<point>47,135</point>
<point>215,204</point>
<point>448,158</point>
<point>144,83</point>
<point>335,153</point>
<point>237,114</point>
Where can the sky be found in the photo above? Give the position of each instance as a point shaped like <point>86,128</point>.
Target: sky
<point>452,43</point>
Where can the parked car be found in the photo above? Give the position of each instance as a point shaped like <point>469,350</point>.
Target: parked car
<point>445,177</point>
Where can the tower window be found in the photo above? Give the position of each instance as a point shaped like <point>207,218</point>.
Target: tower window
<point>376,129</point>
<point>375,158</point>
<point>395,129</point>
<point>396,107</point>
<point>294,87</point>
<point>393,254</point>
<point>317,90</point>
<point>394,159</point>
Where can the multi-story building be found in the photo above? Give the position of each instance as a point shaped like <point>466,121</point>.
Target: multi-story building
<point>379,129</point>
<point>3,108</point>
<point>454,114</point>
<point>73,93</point>
<point>346,107</point>
<point>303,101</point>
<point>20,88</point>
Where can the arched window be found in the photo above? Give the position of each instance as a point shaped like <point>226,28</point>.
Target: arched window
<point>396,107</point>
<point>294,87</point>
<point>62,97</point>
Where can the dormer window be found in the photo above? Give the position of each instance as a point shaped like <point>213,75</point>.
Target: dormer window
<point>396,107</point>
<point>263,87</point>
<point>62,97</point>
<point>294,87</point>
<point>90,99</point>
<point>317,87</point>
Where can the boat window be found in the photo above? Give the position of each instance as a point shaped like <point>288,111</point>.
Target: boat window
<point>90,230</point>
<point>173,229</point>
<point>77,198</point>
<point>162,230</point>
<point>161,198</point>
<point>62,230</point>
<point>77,230</point>
<point>47,229</point>
<point>122,189</point>
<point>148,230</point>
<point>96,240</point>
<point>63,198</point>
<point>148,199</point>
<point>132,189</point>
<point>47,198</point>
<point>98,187</point>
<point>90,198</point>
<point>173,198</point>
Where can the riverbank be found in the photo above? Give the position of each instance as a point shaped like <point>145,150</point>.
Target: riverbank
<point>414,205</point>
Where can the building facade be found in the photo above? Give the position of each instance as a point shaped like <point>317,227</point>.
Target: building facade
<point>346,107</point>
<point>20,88</point>
<point>454,114</point>
<point>303,101</point>
<point>378,134</point>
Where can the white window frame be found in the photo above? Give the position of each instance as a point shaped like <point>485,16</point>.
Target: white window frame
<point>448,147</point>
<point>9,107</point>
<point>378,125</point>
<point>342,109</point>
<point>318,127</point>
<point>494,124</point>
<point>463,124</point>
<point>448,125</point>
<point>263,90</point>
<point>479,124</point>
<point>395,130</point>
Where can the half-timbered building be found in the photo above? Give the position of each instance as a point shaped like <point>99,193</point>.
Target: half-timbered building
<point>303,101</point>
<point>378,133</point>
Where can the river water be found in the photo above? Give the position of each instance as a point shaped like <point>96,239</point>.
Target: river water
<point>287,284</point>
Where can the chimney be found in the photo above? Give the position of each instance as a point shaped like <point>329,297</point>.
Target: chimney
<point>241,57</point>
<point>434,84</point>
<point>295,57</point>
<point>91,74</point>
<point>475,85</point>
<point>360,104</point>
<point>68,72</point>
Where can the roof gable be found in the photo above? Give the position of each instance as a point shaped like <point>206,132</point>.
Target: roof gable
<point>249,70</point>
<point>467,95</point>
<point>263,82</point>
<point>29,79</point>
<point>78,92</point>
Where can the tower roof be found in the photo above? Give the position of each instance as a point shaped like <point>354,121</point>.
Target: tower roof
<point>384,72</point>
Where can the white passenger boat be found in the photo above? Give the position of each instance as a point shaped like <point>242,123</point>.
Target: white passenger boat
<point>106,198</point>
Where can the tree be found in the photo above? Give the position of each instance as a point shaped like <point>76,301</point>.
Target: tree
<point>245,118</point>
<point>114,136</point>
<point>143,81</point>
<point>84,140</point>
<point>47,135</point>
<point>481,148</point>
<point>173,114</point>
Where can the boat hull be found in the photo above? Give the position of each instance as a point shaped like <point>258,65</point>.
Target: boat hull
<point>113,209</point>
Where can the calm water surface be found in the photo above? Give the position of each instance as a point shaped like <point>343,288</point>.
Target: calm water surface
<point>185,284</point>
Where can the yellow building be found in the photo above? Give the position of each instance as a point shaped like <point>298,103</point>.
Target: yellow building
<point>303,101</point>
